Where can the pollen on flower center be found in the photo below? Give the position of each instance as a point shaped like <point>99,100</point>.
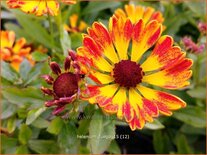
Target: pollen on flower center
<point>127,73</point>
<point>66,85</point>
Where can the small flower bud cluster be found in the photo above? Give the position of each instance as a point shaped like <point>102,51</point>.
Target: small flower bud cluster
<point>202,27</point>
<point>192,46</point>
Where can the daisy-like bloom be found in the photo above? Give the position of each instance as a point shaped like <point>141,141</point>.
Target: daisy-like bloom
<point>13,51</point>
<point>114,60</point>
<point>135,13</point>
<point>74,27</point>
<point>38,7</point>
<point>65,87</point>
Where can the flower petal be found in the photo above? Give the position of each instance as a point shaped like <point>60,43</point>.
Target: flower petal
<point>121,31</point>
<point>69,1</point>
<point>171,78</point>
<point>73,20</point>
<point>120,99</point>
<point>53,7</point>
<point>102,38</point>
<point>18,45</point>
<point>137,122</point>
<point>100,78</point>
<point>157,16</point>
<point>101,95</point>
<point>142,106</point>
<point>87,61</point>
<point>164,101</point>
<point>7,38</point>
<point>144,38</point>
<point>135,13</point>
<point>163,55</point>
<point>147,14</point>
<point>29,6</point>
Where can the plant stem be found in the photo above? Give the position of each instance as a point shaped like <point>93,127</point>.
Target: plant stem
<point>51,29</point>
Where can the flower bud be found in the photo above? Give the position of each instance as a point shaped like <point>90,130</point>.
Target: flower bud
<point>58,110</point>
<point>55,68</point>
<point>48,79</point>
<point>72,54</point>
<point>47,91</point>
<point>67,63</point>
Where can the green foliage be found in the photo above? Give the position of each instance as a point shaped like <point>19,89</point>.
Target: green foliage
<point>192,115</point>
<point>25,134</point>
<point>28,127</point>
<point>101,133</point>
<point>43,146</point>
<point>161,142</point>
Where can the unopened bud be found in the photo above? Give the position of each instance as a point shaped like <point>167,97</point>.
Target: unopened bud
<point>47,91</point>
<point>55,68</point>
<point>67,63</point>
<point>72,54</point>
<point>48,79</point>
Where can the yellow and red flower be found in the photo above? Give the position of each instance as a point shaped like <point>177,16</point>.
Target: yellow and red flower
<point>38,7</point>
<point>66,84</point>
<point>13,51</point>
<point>135,13</point>
<point>74,27</point>
<point>113,59</point>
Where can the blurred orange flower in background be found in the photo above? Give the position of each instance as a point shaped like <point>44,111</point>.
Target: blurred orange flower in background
<point>74,26</point>
<point>38,7</point>
<point>135,13</point>
<point>14,51</point>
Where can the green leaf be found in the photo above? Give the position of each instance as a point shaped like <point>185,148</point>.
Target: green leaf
<point>35,30</point>
<point>55,126</point>
<point>199,92</point>
<point>155,125</point>
<point>25,134</point>
<point>8,72</point>
<point>8,144</point>
<point>33,114</point>
<point>99,6</point>
<point>19,32</point>
<point>44,146</point>
<point>182,145</point>
<point>22,150</point>
<point>34,73</point>
<point>83,150</point>
<point>29,95</point>
<point>76,39</point>
<point>197,7</point>
<point>65,41</point>
<point>83,126</point>
<point>11,124</point>
<point>188,129</point>
<point>38,56</point>
<point>67,138</point>
<point>192,115</point>
<point>22,113</point>
<point>114,148</point>
<point>40,123</point>
<point>24,69</point>
<point>8,109</point>
<point>161,142</point>
<point>101,133</point>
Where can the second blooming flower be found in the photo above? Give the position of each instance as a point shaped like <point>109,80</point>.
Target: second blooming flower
<point>114,59</point>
